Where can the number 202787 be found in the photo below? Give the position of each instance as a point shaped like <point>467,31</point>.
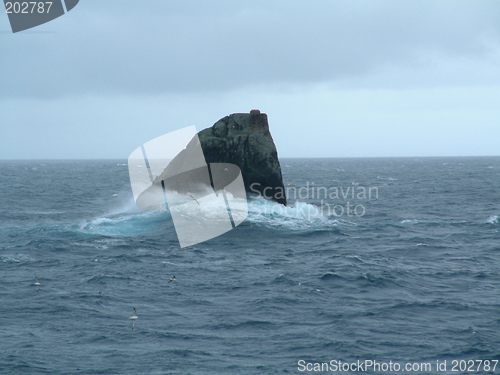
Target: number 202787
<point>28,7</point>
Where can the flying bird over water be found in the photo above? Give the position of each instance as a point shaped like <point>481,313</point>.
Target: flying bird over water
<point>37,284</point>
<point>134,317</point>
<point>171,279</point>
<point>194,199</point>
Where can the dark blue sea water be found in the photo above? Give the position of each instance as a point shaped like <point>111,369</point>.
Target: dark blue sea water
<point>413,278</point>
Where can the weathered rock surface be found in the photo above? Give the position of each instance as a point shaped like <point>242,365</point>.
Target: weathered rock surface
<point>244,139</point>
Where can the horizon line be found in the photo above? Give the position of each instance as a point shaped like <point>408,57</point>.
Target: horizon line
<point>280,158</point>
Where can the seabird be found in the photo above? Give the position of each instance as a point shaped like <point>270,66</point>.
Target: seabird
<point>171,279</point>
<point>194,199</point>
<point>134,317</point>
<point>37,283</point>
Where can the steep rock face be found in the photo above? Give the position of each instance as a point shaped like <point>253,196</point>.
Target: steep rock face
<point>244,139</point>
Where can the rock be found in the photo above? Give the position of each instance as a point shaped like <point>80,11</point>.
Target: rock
<point>244,139</point>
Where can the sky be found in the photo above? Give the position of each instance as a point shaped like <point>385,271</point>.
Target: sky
<point>343,78</point>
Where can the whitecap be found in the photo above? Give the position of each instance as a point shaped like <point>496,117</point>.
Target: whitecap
<point>494,219</point>
<point>15,258</point>
<point>298,216</point>
<point>410,221</point>
<point>343,222</point>
<point>123,224</point>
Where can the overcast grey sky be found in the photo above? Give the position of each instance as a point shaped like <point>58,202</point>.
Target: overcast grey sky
<point>336,78</point>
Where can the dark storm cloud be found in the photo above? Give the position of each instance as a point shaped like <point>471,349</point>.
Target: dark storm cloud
<point>126,47</point>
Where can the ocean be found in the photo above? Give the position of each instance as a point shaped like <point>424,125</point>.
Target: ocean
<point>384,262</point>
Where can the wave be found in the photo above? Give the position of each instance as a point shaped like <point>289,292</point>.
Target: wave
<point>299,216</point>
<point>127,220</point>
<point>410,221</point>
<point>245,325</point>
<point>360,281</point>
<point>15,258</point>
<point>494,219</point>
<point>432,222</point>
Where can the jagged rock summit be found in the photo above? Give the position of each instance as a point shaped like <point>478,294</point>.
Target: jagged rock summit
<point>244,139</point>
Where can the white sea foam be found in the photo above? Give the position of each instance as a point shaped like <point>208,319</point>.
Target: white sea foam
<point>15,258</point>
<point>494,219</point>
<point>296,216</point>
<point>125,220</point>
<point>131,220</point>
<point>7,259</point>
<point>410,221</point>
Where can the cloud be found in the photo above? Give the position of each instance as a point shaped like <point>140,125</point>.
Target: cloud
<point>337,78</point>
<point>148,48</point>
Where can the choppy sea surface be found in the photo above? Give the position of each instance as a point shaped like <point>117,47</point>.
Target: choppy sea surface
<point>408,274</point>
